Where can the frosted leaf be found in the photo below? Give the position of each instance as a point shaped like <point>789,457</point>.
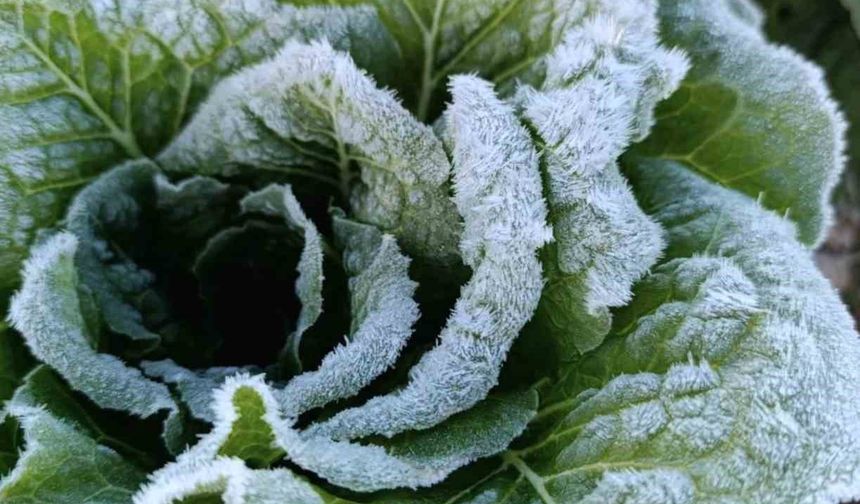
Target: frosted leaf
<point>248,420</point>
<point>117,200</point>
<point>751,116</point>
<point>278,114</point>
<point>85,84</point>
<point>61,465</point>
<point>227,480</point>
<point>501,40</point>
<point>602,83</point>
<point>711,389</point>
<point>498,192</point>
<point>47,312</point>
<point>383,314</point>
<point>128,436</point>
<point>280,201</point>
<point>194,387</point>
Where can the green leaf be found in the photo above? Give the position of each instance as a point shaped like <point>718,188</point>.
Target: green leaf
<point>750,115</point>
<point>251,438</point>
<point>383,314</point>
<point>15,361</point>
<point>85,84</point>
<point>115,205</point>
<point>709,388</point>
<point>194,387</point>
<point>225,480</point>
<point>47,312</point>
<point>485,429</point>
<point>62,465</point>
<point>498,193</point>
<point>10,443</point>
<point>501,40</point>
<point>853,6</point>
<point>249,424</point>
<point>602,84</point>
<point>311,110</point>
<point>822,32</point>
<point>44,389</point>
<point>280,201</point>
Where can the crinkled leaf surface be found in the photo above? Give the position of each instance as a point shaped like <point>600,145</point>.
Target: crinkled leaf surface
<point>500,39</point>
<point>601,85</point>
<point>750,115</point>
<point>498,193</point>
<point>116,202</point>
<point>729,375</point>
<point>383,313</point>
<point>822,32</point>
<point>249,426</point>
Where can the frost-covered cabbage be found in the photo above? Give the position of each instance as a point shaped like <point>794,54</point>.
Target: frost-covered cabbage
<point>417,251</point>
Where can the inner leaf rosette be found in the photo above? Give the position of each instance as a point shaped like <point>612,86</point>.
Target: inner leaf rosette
<point>408,252</point>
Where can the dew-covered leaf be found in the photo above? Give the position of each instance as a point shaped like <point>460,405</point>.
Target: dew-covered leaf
<point>750,115</point>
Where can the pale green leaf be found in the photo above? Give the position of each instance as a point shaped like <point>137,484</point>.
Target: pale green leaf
<point>710,388</point>
<point>85,84</point>
<point>130,438</point>
<point>502,40</point>
<point>249,425</point>
<point>225,480</point>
